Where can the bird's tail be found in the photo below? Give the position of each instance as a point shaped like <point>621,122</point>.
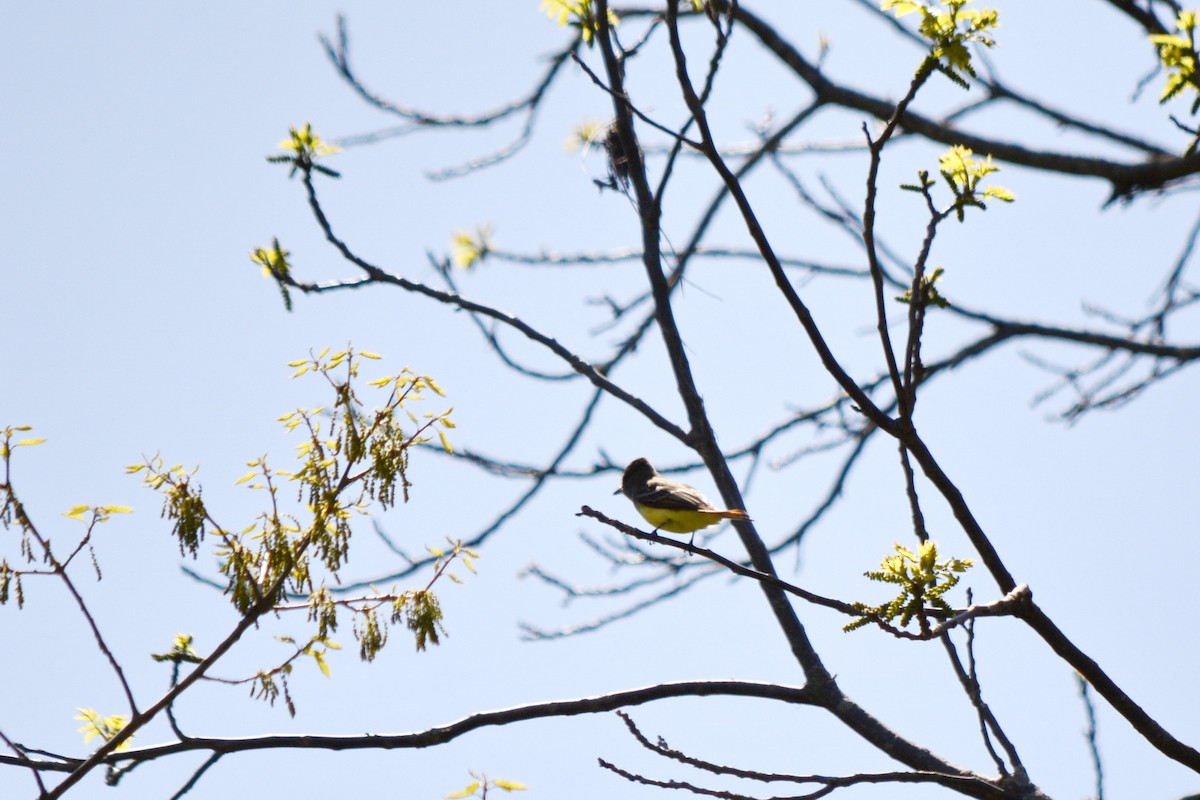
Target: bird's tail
<point>734,513</point>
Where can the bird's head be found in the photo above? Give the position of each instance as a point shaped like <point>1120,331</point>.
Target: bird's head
<point>636,474</point>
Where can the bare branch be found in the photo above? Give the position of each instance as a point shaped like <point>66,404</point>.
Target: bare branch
<point>339,56</point>
<point>539,480</point>
<point>1127,179</point>
<point>22,758</point>
<point>988,724</point>
<point>532,633</point>
<point>1091,735</point>
<point>197,775</point>
<point>485,719</point>
<point>970,786</point>
<point>376,275</point>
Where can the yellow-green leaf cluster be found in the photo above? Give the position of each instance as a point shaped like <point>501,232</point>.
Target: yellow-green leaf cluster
<point>317,649</point>
<point>929,294</point>
<point>350,458</point>
<point>10,581</point>
<point>183,504</point>
<point>8,444</point>
<point>182,501</point>
<point>275,264</point>
<point>371,633</point>
<point>302,148</point>
<point>480,784</point>
<point>105,728</point>
<point>513,786</point>
<point>950,27</point>
<point>419,610</point>
<point>181,651</point>
<point>423,616</point>
<point>578,13</point>
<point>964,175</point>
<point>271,685</point>
<point>1177,52</point>
<point>12,512</point>
<point>98,513</point>
<point>302,141</point>
<point>468,249</point>
<point>322,609</point>
<point>923,581</point>
<point>583,134</point>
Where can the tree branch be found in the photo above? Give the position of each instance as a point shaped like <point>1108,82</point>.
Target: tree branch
<point>1127,179</point>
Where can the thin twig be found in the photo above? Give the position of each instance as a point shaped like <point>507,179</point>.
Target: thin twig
<point>1091,734</point>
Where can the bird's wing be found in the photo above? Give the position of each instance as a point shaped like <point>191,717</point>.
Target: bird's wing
<point>663,493</point>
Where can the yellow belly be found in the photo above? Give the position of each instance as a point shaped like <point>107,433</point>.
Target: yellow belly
<point>679,520</point>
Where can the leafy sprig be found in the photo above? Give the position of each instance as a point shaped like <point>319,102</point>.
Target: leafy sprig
<point>964,174</point>
<point>1177,52</point>
<point>351,459</point>
<point>950,28</point>
<point>481,783</point>
<point>469,249</point>
<point>100,727</point>
<point>302,149</point>
<point>923,581</point>
<point>579,14</point>
<point>275,264</point>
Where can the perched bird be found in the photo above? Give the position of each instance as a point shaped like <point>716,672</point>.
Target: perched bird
<point>670,505</point>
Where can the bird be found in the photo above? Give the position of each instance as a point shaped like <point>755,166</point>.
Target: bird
<point>670,505</point>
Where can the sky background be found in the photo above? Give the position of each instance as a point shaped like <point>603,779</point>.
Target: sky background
<point>134,323</point>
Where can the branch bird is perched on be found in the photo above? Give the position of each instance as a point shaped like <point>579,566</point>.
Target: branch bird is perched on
<point>670,505</point>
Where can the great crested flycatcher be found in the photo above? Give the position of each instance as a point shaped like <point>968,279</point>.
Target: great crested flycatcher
<point>670,505</point>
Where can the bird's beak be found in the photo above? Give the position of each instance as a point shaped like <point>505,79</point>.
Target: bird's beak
<point>618,491</point>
